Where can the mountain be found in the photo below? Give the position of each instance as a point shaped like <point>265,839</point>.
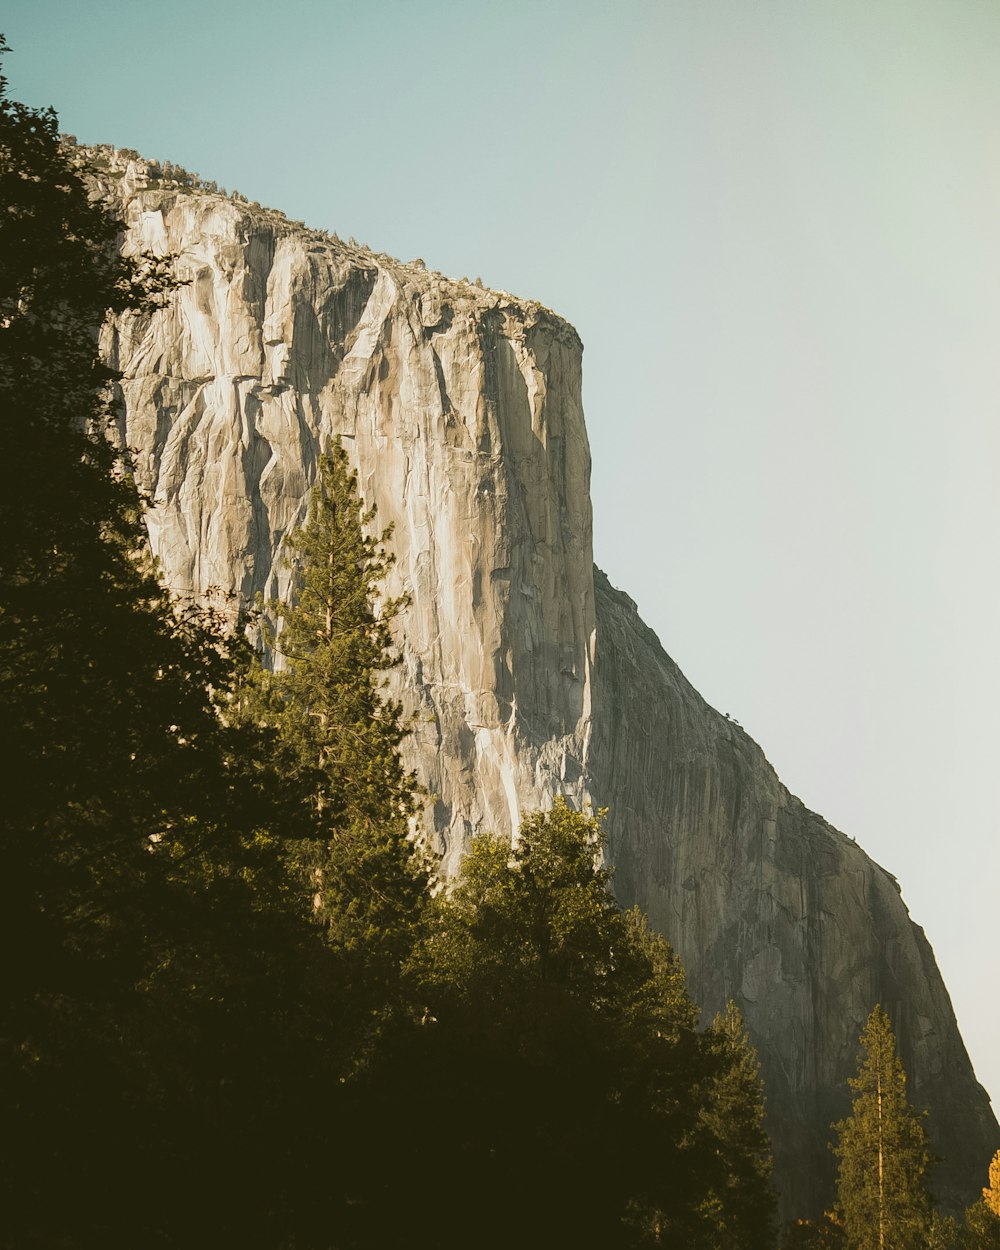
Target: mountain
<point>527,674</point>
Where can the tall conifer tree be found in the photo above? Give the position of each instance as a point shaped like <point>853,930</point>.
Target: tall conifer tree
<point>744,1208</point>
<point>149,922</point>
<point>339,730</point>
<point>883,1152</point>
<point>332,649</point>
<point>558,1073</point>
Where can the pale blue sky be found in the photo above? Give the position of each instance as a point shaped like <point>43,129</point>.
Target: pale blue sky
<point>776,225</point>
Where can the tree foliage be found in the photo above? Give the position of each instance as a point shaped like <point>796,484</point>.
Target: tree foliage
<point>744,1210</point>
<point>331,650</point>
<point>991,1192</point>
<point>339,733</point>
<point>145,888</point>
<point>883,1152</point>
<point>556,1073</point>
<point>825,1233</point>
<point>982,1219</point>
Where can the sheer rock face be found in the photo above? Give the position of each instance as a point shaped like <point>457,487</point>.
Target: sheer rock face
<point>461,409</point>
<point>771,906</point>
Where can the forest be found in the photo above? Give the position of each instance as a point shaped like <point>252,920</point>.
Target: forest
<point>240,1007</point>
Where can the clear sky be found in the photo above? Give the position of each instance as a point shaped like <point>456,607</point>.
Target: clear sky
<point>776,226</point>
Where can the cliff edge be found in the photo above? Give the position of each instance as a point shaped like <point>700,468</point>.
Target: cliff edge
<point>526,673</point>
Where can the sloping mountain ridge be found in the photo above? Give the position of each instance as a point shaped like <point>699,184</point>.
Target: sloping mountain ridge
<point>527,674</point>
<point>770,905</point>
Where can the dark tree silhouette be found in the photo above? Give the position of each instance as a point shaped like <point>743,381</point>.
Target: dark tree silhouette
<point>158,948</point>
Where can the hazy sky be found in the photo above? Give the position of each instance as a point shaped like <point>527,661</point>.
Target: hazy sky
<point>776,225</point>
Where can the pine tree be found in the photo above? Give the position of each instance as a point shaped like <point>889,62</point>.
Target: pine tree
<point>150,923</point>
<point>982,1219</point>
<point>991,1194</point>
<point>883,1151</point>
<point>339,732</point>
<point>558,1075</point>
<point>743,1211</point>
<point>331,650</point>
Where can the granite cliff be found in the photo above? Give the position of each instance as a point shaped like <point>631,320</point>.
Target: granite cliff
<point>528,675</point>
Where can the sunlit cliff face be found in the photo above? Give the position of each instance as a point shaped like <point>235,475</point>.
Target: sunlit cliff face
<point>526,677</point>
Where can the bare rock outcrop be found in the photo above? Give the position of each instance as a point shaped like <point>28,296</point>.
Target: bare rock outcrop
<point>526,673</point>
<point>461,410</point>
<point>771,906</point>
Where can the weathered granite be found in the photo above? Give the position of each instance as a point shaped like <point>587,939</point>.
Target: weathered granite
<point>461,408</point>
<point>773,907</point>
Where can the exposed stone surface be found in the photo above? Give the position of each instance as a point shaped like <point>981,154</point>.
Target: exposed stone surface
<point>461,408</point>
<point>771,906</point>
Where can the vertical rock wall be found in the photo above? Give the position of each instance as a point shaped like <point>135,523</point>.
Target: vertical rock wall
<point>461,409</point>
<point>771,906</point>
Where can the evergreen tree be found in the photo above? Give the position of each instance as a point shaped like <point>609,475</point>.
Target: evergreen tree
<point>144,887</point>
<point>331,650</point>
<point>557,1074</point>
<point>339,736</point>
<point>883,1152</point>
<point>743,1213</point>
<point>942,1232</point>
<point>982,1219</point>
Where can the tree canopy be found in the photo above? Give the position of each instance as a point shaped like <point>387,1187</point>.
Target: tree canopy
<point>744,1211</point>
<point>982,1220</point>
<point>330,651</point>
<point>338,733</point>
<point>554,1070</point>
<point>145,884</point>
<point>882,1151</point>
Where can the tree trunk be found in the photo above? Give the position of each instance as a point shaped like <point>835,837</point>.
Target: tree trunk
<point>881,1178</point>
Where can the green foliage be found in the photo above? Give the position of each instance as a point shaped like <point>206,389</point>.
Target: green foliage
<point>556,1074</point>
<point>339,735</point>
<point>331,649</point>
<point>942,1232</point>
<point>883,1152</point>
<point>826,1233</point>
<point>150,921</point>
<point>982,1219</point>
<point>743,1212</point>
<point>982,1228</point>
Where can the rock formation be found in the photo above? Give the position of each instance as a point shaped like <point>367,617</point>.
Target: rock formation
<point>771,906</point>
<point>527,674</point>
